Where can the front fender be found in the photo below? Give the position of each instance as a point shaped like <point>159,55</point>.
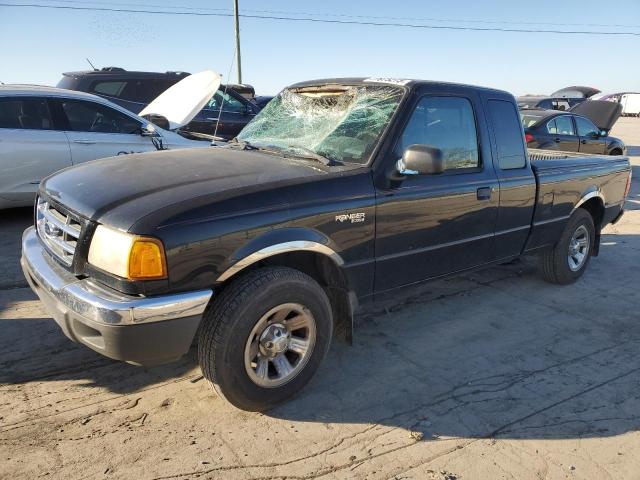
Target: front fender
<point>275,242</point>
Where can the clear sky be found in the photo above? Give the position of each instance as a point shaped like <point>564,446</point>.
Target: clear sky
<point>39,44</point>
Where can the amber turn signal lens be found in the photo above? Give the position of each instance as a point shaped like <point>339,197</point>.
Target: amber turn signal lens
<point>146,260</point>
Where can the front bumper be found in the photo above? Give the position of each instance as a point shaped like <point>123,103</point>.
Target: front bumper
<point>139,330</point>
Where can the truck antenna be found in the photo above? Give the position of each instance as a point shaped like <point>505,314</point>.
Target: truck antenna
<point>94,68</point>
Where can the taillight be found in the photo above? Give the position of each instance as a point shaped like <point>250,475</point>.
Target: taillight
<point>628,187</point>
<point>528,137</point>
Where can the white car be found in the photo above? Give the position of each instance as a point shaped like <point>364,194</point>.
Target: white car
<point>45,129</point>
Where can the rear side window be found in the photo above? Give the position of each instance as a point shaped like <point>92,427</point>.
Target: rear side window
<point>25,113</point>
<point>508,134</point>
<point>564,125</point>
<point>93,117</point>
<point>446,123</point>
<point>112,89</point>
<point>140,91</point>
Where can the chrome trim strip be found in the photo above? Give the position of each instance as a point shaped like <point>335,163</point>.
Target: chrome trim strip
<point>293,246</point>
<point>551,220</point>
<point>65,227</point>
<point>63,291</point>
<point>589,196</point>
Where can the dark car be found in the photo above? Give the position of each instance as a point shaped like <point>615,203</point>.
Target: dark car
<point>224,116</point>
<point>548,103</point>
<point>568,132</point>
<point>341,191</point>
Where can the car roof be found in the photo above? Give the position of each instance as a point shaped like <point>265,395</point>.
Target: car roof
<point>26,89</point>
<point>121,72</point>
<point>412,83</point>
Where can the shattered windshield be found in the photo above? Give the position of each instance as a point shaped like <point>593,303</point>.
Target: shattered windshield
<point>340,123</point>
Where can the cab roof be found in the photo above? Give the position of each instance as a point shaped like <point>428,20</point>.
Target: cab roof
<point>410,83</point>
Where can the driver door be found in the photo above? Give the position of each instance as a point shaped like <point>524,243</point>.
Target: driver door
<point>432,225</point>
<point>97,131</point>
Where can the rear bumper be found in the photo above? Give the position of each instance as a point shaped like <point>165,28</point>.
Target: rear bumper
<point>139,330</point>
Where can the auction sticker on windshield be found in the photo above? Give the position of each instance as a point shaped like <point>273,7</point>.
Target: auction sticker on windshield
<point>392,81</point>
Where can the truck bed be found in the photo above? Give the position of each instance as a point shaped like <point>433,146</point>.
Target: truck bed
<point>565,179</point>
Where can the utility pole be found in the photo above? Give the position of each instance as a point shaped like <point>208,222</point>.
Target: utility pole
<point>238,62</point>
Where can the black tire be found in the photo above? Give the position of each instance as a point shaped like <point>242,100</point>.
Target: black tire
<point>230,319</point>
<point>554,263</point>
<point>616,151</point>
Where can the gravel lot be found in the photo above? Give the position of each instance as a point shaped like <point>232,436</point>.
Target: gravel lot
<point>488,375</point>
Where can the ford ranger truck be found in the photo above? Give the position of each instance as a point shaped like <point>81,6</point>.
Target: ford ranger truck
<point>338,192</point>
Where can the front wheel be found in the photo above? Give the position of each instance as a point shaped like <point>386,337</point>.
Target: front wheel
<point>265,336</point>
<point>568,260</point>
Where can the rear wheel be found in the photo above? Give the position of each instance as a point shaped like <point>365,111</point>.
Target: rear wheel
<point>567,261</point>
<point>265,336</point>
<point>616,151</point>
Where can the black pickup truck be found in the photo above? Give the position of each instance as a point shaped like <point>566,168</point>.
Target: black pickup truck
<point>338,192</point>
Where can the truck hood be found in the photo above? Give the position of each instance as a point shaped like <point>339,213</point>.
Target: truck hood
<point>118,191</point>
<point>182,101</point>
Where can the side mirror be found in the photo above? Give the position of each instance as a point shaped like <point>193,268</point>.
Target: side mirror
<point>157,120</point>
<point>148,130</point>
<point>420,160</point>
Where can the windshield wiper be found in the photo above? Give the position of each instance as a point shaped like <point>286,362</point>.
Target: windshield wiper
<point>308,153</point>
<point>243,144</point>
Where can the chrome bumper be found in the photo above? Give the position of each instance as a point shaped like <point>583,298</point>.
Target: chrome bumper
<point>141,330</point>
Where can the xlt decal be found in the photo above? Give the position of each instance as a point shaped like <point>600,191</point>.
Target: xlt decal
<point>353,217</point>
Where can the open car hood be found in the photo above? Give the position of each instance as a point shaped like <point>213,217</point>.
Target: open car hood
<point>182,101</point>
<point>602,113</point>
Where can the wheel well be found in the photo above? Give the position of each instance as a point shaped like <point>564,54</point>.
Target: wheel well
<point>616,151</point>
<point>330,277</point>
<point>595,207</point>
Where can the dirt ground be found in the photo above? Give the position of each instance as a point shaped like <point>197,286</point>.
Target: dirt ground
<point>488,375</point>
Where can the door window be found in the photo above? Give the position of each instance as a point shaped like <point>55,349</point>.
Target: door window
<point>564,125</point>
<point>93,117</point>
<point>227,102</point>
<point>110,88</point>
<point>508,134</point>
<point>140,91</point>
<point>25,113</point>
<point>586,128</point>
<point>551,127</point>
<point>446,123</point>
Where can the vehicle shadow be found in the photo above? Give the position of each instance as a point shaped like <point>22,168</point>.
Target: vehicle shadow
<point>496,353</point>
<point>490,353</point>
<point>34,349</point>
<point>633,150</point>
<point>12,223</point>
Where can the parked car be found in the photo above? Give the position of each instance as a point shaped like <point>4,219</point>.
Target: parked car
<point>568,132</point>
<point>223,116</point>
<point>548,103</point>
<point>45,129</point>
<point>340,191</point>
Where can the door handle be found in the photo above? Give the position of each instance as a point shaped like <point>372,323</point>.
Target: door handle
<point>557,140</point>
<point>211,119</point>
<point>484,193</point>
<point>583,142</point>
<point>84,142</point>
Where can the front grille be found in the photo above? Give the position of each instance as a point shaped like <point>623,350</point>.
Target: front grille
<point>58,231</point>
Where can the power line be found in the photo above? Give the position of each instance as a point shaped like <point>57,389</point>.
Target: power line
<point>319,20</point>
<point>343,15</point>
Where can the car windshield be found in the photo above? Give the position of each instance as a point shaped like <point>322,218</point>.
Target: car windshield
<point>529,120</point>
<point>340,123</point>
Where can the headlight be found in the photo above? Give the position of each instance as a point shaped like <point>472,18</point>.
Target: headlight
<point>128,256</point>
